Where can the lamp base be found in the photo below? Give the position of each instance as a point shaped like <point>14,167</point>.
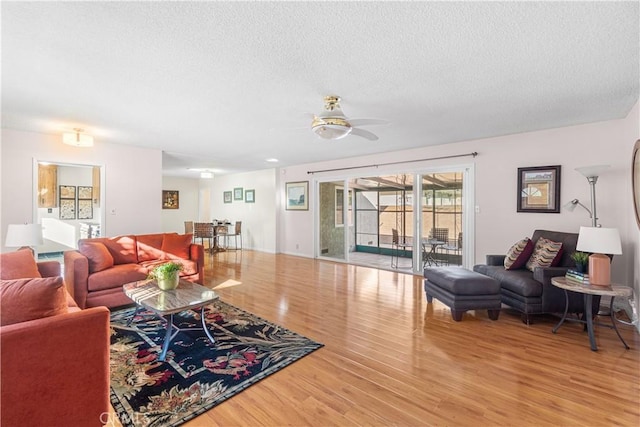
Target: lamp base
<point>599,270</point>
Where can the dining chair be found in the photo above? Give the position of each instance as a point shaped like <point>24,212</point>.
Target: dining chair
<point>237,232</point>
<point>203,230</point>
<point>188,227</point>
<point>397,246</point>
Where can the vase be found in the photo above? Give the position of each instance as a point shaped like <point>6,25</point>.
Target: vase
<point>169,283</point>
<point>581,268</point>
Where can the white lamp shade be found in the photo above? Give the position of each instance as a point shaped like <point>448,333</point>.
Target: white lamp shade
<point>19,235</point>
<point>599,240</point>
<point>591,171</point>
<point>571,206</point>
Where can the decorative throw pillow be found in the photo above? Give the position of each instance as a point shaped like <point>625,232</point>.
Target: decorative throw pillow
<point>99,256</point>
<point>518,254</point>
<point>17,265</point>
<point>177,245</point>
<point>545,254</point>
<point>28,299</point>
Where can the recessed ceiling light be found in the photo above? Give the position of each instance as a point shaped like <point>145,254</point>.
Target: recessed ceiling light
<point>272,160</point>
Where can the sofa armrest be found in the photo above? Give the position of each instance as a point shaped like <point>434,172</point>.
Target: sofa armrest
<point>65,360</point>
<point>495,259</point>
<point>545,274</point>
<point>196,253</point>
<point>49,268</point>
<point>76,276</point>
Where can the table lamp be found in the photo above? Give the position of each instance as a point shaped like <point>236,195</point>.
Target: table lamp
<point>599,241</point>
<point>24,236</point>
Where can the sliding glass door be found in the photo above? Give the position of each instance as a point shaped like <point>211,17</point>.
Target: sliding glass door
<point>359,217</point>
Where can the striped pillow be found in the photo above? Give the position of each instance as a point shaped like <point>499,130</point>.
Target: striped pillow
<point>546,253</point>
<point>518,254</point>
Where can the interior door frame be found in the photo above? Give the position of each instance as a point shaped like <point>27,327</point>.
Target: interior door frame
<point>34,191</point>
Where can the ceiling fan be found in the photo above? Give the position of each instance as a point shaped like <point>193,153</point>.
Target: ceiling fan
<point>331,123</point>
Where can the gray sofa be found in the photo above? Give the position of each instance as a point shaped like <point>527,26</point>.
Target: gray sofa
<point>532,292</point>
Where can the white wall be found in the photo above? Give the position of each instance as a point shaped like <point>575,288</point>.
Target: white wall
<point>173,219</point>
<point>133,180</point>
<point>258,218</point>
<point>498,225</point>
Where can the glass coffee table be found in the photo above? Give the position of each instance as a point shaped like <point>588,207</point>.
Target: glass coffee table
<point>187,296</point>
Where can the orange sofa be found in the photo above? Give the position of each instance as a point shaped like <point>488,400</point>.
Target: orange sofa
<point>98,269</point>
<point>54,357</point>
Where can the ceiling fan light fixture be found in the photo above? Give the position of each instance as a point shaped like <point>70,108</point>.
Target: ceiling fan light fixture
<point>331,127</point>
<point>77,138</point>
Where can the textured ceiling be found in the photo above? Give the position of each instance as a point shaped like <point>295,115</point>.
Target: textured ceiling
<point>226,85</point>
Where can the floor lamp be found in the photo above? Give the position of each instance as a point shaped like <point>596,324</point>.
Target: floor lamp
<point>591,173</point>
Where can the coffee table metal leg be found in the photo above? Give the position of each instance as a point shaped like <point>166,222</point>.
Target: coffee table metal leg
<point>613,322</point>
<point>167,337</point>
<point>204,326</point>
<point>564,315</point>
<point>135,313</point>
<point>588,312</point>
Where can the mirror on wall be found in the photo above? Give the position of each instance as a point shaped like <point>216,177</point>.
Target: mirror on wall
<point>68,204</point>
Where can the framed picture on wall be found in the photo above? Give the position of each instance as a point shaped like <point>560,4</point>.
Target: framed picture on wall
<point>67,191</point>
<point>170,199</point>
<point>67,208</point>
<point>237,193</point>
<point>85,209</point>
<point>227,195</point>
<point>297,196</point>
<point>84,192</point>
<point>250,196</point>
<point>539,189</point>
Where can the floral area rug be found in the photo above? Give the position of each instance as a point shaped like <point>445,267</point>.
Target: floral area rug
<point>197,374</point>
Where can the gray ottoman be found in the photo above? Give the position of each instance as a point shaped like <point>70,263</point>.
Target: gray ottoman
<point>461,290</point>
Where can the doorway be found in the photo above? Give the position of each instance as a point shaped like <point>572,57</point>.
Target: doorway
<point>380,207</point>
<point>69,203</point>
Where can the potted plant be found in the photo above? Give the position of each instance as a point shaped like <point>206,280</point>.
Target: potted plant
<point>581,259</point>
<point>167,276</point>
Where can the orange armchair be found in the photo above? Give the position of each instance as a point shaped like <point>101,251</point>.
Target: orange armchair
<point>54,371</point>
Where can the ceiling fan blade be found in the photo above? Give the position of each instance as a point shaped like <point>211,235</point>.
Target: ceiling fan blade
<point>364,133</point>
<point>368,122</point>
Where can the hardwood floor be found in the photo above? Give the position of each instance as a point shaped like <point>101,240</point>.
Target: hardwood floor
<point>392,359</point>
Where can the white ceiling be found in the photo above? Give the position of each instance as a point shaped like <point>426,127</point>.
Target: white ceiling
<point>226,85</point>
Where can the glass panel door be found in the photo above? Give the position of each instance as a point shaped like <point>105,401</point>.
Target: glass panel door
<point>331,220</point>
<point>442,219</point>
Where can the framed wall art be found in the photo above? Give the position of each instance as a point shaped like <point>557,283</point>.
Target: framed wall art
<point>67,208</point>
<point>67,191</point>
<point>237,193</point>
<point>250,196</point>
<point>85,209</point>
<point>227,195</point>
<point>170,199</point>
<point>297,196</point>
<point>539,189</point>
<point>84,192</point>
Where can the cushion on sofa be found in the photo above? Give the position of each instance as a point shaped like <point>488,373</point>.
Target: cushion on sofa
<point>519,281</point>
<point>98,255</point>
<point>115,277</point>
<point>518,254</point>
<point>150,247</point>
<point>22,300</point>
<point>546,253</point>
<point>17,265</point>
<point>177,246</point>
<point>122,248</point>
